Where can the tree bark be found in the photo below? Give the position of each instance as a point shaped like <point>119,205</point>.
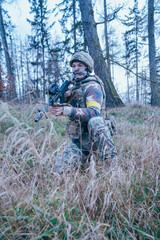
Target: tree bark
<point>90,30</point>
<point>74,25</point>
<point>1,83</point>
<point>7,56</point>
<point>137,79</point>
<point>155,98</point>
<point>107,41</point>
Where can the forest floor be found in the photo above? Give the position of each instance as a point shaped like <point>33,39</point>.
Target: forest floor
<point>91,203</point>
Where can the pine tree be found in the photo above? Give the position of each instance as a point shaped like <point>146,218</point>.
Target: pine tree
<point>71,26</point>
<point>39,42</point>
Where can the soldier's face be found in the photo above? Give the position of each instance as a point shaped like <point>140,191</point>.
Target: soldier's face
<point>79,70</point>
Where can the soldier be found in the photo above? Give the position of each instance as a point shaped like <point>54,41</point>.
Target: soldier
<point>88,130</point>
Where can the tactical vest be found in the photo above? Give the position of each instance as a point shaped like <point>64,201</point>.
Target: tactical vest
<point>75,128</point>
<point>79,88</point>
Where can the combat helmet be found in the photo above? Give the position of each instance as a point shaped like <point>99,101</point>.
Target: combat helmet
<point>84,58</point>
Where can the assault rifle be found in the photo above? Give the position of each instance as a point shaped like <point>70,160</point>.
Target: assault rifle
<point>56,94</point>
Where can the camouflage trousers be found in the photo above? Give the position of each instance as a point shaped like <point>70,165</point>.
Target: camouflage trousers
<point>77,151</point>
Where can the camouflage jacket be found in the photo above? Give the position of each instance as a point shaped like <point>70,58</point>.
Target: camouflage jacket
<point>89,99</point>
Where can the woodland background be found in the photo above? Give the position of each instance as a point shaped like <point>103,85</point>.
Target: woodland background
<point>28,66</point>
<point>92,203</point>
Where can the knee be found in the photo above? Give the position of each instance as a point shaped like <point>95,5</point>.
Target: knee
<point>95,123</point>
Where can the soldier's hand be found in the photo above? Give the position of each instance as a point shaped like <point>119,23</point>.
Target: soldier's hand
<point>68,93</point>
<point>57,111</point>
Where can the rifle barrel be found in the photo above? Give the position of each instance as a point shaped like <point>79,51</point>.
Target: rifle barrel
<point>41,114</point>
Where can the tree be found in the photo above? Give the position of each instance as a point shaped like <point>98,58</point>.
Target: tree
<point>90,30</point>
<point>39,41</point>
<point>71,26</point>
<point>7,55</point>
<point>155,91</point>
<point>108,18</point>
<point>127,64</point>
<point>106,40</point>
<point>134,25</point>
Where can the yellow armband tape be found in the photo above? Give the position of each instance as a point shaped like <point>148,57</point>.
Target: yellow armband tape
<point>94,104</point>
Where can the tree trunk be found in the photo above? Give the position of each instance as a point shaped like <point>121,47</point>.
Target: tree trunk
<point>155,98</point>
<point>7,56</point>
<point>17,70</point>
<point>89,25</point>
<point>106,40</point>
<point>1,83</point>
<point>137,80</point>
<point>74,25</point>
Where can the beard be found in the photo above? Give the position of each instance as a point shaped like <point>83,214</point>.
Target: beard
<point>79,75</point>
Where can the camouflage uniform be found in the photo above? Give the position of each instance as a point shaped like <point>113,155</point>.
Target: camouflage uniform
<point>89,131</point>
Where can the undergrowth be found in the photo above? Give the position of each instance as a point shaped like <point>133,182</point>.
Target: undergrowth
<point>91,203</point>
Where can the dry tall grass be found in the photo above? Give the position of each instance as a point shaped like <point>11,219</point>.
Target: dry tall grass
<point>37,203</point>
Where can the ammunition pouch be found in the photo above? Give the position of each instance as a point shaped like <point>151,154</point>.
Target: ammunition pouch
<point>74,129</point>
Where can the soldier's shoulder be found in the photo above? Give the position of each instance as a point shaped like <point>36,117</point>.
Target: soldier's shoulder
<point>90,81</point>
<point>91,85</point>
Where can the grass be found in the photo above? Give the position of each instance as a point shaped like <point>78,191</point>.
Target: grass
<point>37,203</point>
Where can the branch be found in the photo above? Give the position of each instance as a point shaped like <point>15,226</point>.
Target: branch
<point>130,70</point>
